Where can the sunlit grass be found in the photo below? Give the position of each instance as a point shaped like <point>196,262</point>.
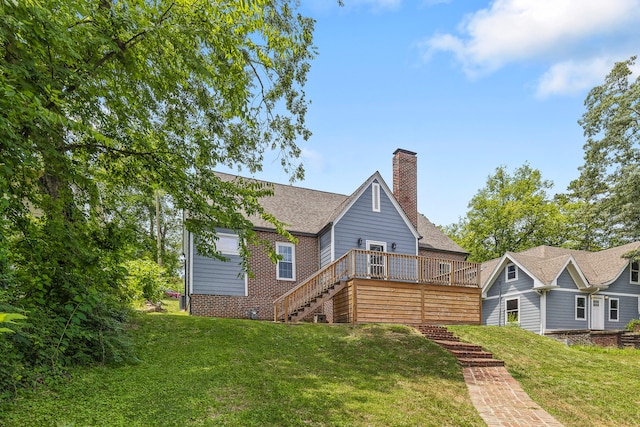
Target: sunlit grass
<point>581,386</point>
<point>202,371</point>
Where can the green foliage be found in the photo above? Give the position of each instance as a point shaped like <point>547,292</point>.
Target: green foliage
<point>103,103</point>
<point>631,326</point>
<point>512,319</point>
<point>607,192</point>
<point>146,280</point>
<point>9,318</point>
<point>511,213</point>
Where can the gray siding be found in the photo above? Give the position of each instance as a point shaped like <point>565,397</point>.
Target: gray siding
<point>384,226</point>
<point>490,312</point>
<point>325,248</point>
<point>561,305</point>
<point>215,277</point>
<point>530,312</point>
<point>493,308</point>
<point>502,287</point>
<point>627,294</point>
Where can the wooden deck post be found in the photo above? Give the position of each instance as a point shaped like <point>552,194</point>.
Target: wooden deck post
<point>286,310</point>
<point>355,303</point>
<point>422,304</point>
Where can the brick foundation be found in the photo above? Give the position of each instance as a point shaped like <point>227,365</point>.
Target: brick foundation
<point>586,337</point>
<point>263,288</point>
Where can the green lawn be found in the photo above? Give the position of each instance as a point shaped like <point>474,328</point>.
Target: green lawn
<point>580,386</point>
<point>202,371</point>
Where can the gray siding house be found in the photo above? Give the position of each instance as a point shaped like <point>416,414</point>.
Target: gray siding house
<point>547,289</point>
<point>327,226</point>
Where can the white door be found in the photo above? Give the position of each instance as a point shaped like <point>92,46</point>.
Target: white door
<point>597,312</point>
<point>377,263</point>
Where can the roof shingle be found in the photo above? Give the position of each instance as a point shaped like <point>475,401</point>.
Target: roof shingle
<point>309,211</point>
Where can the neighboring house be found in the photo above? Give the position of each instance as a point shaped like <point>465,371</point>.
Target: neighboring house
<point>547,289</point>
<point>327,226</point>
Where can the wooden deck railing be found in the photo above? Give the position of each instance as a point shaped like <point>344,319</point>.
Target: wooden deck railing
<point>377,265</point>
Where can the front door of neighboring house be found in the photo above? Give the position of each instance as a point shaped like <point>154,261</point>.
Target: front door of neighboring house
<point>376,264</point>
<point>597,312</point>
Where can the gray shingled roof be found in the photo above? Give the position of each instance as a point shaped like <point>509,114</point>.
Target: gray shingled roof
<point>434,238</point>
<point>546,263</point>
<point>309,211</point>
<point>302,209</point>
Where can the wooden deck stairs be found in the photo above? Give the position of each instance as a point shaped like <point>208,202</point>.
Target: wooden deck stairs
<point>313,304</point>
<point>468,355</point>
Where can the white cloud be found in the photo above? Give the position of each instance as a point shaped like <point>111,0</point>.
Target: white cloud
<point>562,31</point>
<point>572,76</point>
<point>312,160</point>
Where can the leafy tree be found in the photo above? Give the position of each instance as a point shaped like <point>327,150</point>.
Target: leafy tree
<point>511,213</point>
<point>146,280</point>
<point>104,101</point>
<point>608,189</point>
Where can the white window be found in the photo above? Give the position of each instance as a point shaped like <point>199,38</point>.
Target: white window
<point>511,273</point>
<point>614,309</point>
<point>635,272</point>
<point>286,268</point>
<point>227,244</point>
<point>512,310</point>
<point>375,197</point>
<point>581,307</point>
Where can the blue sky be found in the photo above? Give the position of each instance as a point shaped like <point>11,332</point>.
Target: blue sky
<point>469,85</point>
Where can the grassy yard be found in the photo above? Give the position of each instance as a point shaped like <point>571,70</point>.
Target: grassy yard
<point>201,371</point>
<point>580,386</point>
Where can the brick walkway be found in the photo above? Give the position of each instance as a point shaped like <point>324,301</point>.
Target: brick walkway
<point>501,401</point>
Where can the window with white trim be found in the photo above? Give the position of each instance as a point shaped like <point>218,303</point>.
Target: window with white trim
<point>375,197</point>
<point>581,307</point>
<point>286,267</point>
<point>512,310</point>
<point>227,244</point>
<point>614,308</point>
<point>635,272</point>
<point>511,273</point>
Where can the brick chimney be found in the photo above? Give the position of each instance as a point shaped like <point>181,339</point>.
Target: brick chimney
<point>405,182</point>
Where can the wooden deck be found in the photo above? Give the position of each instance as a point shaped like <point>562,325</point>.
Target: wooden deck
<point>385,287</point>
<point>374,301</point>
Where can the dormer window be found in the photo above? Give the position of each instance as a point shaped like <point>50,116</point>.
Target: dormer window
<point>511,273</point>
<point>375,197</point>
<point>635,272</point>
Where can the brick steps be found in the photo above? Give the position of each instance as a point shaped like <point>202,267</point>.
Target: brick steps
<point>468,355</point>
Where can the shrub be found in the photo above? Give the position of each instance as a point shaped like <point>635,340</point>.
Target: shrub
<point>145,281</point>
<point>633,324</point>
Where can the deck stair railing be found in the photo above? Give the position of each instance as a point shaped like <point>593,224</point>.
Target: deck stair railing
<point>362,264</point>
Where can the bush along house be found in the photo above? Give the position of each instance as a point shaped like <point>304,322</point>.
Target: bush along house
<point>365,257</point>
<point>562,292</point>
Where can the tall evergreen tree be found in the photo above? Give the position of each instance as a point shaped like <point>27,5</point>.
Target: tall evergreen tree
<point>608,189</point>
